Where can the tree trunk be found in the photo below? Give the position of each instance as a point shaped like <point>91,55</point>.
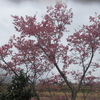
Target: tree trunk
<point>34,90</point>
<point>73,95</point>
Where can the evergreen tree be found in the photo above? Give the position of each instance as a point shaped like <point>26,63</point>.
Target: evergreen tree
<point>18,89</point>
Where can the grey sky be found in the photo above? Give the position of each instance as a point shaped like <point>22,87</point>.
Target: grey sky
<point>11,7</point>
<point>86,1</point>
<point>82,11</point>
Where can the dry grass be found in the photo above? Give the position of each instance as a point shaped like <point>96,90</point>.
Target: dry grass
<point>65,92</point>
<point>56,95</point>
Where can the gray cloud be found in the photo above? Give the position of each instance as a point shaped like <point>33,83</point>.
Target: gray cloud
<point>20,1</point>
<point>86,1</point>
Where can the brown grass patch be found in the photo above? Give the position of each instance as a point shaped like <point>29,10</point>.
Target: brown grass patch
<point>56,95</point>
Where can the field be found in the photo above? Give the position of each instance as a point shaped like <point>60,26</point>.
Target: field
<point>60,96</point>
<point>52,93</point>
<point>87,93</point>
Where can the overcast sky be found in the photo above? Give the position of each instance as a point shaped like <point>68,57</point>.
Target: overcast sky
<point>82,9</point>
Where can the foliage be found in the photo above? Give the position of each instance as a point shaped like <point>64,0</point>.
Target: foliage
<point>40,50</point>
<point>18,90</point>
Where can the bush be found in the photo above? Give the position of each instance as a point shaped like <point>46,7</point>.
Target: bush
<point>18,89</point>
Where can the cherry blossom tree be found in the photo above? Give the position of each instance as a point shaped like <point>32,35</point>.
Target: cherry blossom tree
<point>39,49</point>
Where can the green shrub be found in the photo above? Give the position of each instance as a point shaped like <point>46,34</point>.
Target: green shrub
<point>18,89</point>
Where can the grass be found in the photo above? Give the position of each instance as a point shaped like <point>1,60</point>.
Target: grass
<point>2,89</point>
<point>49,93</point>
<point>53,94</point>
<point>57,95</point>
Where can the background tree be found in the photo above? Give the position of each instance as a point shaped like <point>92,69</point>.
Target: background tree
<point>18,89</point>
<point>39,48</point>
